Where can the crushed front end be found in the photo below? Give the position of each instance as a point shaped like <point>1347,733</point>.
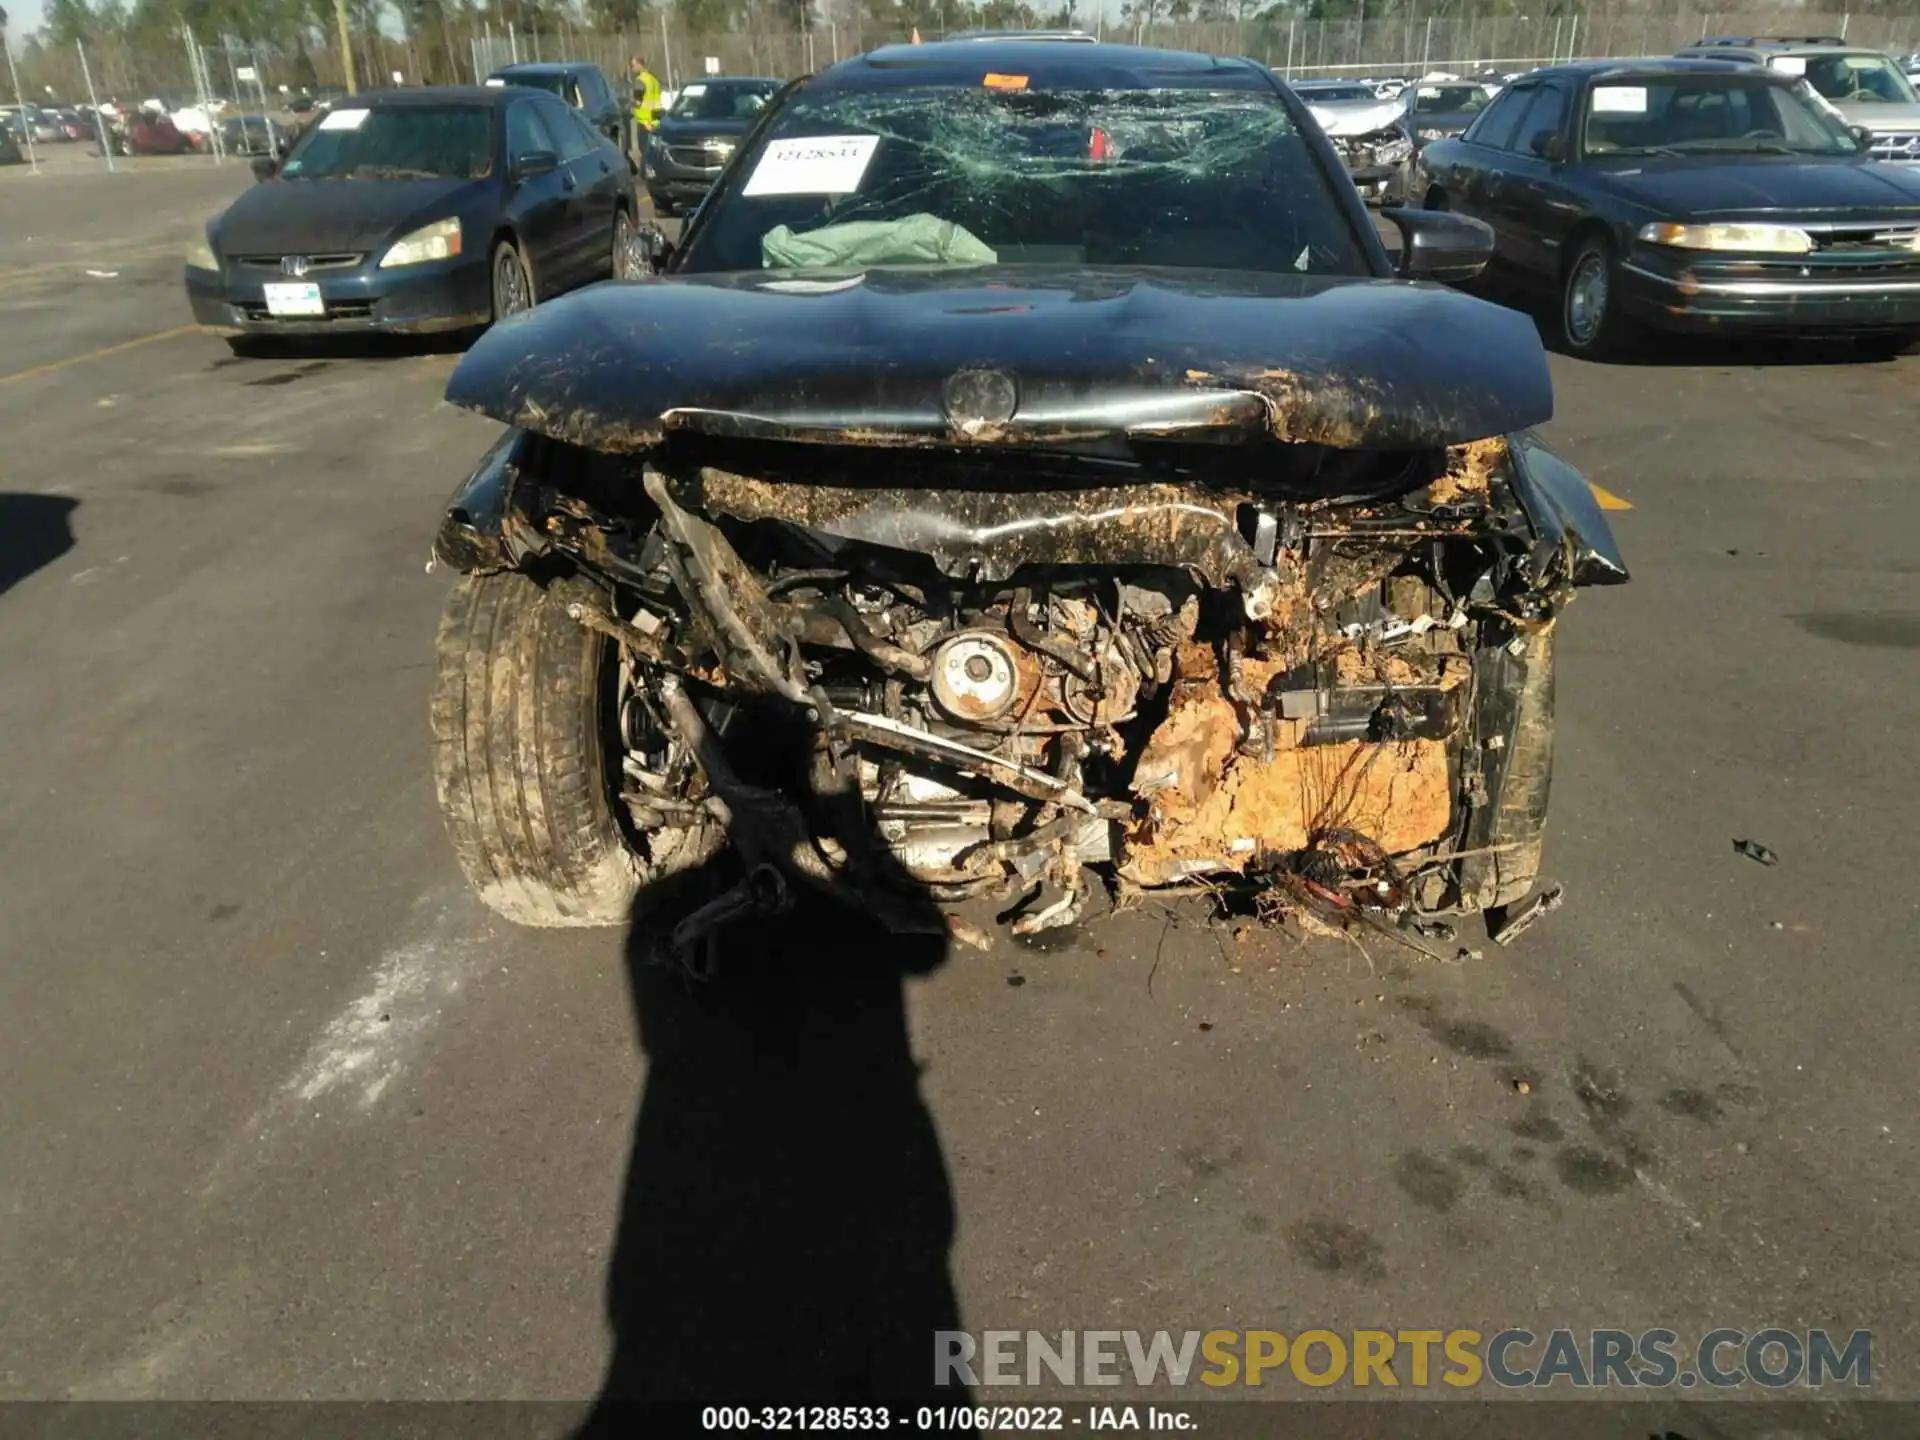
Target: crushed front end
<point>1029,673</point>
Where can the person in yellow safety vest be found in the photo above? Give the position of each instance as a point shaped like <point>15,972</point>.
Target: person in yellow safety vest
<point>646,95</point>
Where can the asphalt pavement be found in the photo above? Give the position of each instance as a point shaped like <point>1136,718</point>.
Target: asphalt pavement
<point>284,1113</point>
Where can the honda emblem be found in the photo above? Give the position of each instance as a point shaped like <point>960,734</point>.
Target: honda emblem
<point>295,265</point>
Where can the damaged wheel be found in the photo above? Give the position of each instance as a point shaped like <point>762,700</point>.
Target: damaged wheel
<point>521,708</point>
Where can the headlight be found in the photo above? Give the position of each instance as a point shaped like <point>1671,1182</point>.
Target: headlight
<point>1751,239</point>
<point>438,241</point>
<point>1433,134</point>
<point>200,254</point>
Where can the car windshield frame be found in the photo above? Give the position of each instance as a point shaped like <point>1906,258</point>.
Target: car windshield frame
<point>976,175</point>
<point>701,90</point>
<point>1860,62</point>
<point>342,145</point>
<point>1796,99</point>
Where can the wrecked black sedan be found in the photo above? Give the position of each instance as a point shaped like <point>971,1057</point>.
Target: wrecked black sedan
<point>1029,478</point>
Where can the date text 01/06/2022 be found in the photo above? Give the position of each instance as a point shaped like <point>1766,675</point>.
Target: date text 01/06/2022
<point>991,1419</point>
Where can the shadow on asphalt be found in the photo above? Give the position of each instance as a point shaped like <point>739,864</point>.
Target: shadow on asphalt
<point>35,530</point>
<point>786,1221</point>
<point>352,347</point>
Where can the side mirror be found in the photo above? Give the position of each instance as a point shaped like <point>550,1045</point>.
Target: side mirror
<point>534,164</point>
<point>1862,134</point>
<point>265,167</point>
<point>1441,245</point>
<point>1549,145</point>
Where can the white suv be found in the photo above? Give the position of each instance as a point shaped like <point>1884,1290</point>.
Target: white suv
<point>1867,87</point>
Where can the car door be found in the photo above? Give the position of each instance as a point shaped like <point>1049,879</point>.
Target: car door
<point>1461,176</point>
<point>597,104</point>
<point>590,201</point>
<point>1533,202</point>
<point>537,204</point>
<point>1478,184</point>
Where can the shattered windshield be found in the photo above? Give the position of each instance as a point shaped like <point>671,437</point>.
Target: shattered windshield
<point>965,176</point>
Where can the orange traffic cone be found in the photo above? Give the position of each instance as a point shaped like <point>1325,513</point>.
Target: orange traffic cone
<point>916,34</point>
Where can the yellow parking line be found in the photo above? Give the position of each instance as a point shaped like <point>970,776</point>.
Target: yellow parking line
<point>54,366</point>
<point>1608,500</point>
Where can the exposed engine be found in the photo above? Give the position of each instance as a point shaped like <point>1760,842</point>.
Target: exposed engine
<point>1033,690</point>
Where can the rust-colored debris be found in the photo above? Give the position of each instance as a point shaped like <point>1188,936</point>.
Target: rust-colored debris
<point>1470,470</point>
<point>1211,807</point>
<point>1353,666</point>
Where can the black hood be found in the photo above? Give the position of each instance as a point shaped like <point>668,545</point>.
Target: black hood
<point>1011,355</point>
<point>291,217</point>
<point>1773,186</point>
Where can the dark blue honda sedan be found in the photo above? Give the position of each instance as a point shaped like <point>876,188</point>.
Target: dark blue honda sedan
<point>416,211</point>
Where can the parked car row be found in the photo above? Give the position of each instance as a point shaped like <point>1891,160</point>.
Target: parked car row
<point>1690,193</point>
<point>418,211</point>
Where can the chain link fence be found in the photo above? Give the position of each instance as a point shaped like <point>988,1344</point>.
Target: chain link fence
<point>1399,44</point>
<point>225,78</point>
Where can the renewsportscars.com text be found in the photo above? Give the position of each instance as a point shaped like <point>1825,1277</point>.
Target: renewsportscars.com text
<point>1770,1358</point>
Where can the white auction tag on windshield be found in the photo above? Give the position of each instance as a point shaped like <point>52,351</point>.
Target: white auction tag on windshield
<point>1429,92</point>
<point>1790,64</point>
<point>345,119</point>
<point>1619,99</point>
<point>825,165</point>
<point>692,92</point>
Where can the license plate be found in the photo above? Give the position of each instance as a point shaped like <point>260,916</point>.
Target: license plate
<point>303,299</point>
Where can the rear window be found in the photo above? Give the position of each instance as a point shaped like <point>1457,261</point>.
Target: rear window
<point>1000,174</point>
<point>1331,94</point>
<point>1450,99</point>
<point>709,101</point>
<point>553,84</point>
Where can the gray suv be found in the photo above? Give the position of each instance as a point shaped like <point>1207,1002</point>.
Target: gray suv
<point>1867,87</point>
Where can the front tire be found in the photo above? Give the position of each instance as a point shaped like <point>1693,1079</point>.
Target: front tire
<point>519,756</point>
<point>513,287</point>
<point>1591,324</point>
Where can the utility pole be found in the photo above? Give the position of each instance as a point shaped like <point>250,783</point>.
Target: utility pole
<point>346,44</point>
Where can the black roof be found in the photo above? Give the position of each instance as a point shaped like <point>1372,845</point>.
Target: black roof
<point>546,67</point>
<point>1654,69</point>
<point>1047,64</point>
<point>488,95</point>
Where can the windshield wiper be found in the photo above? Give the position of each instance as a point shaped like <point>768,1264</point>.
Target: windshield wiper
<point>1666,150</point>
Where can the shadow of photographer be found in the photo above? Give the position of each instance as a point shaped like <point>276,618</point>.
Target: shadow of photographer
<point>786,1218</point>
